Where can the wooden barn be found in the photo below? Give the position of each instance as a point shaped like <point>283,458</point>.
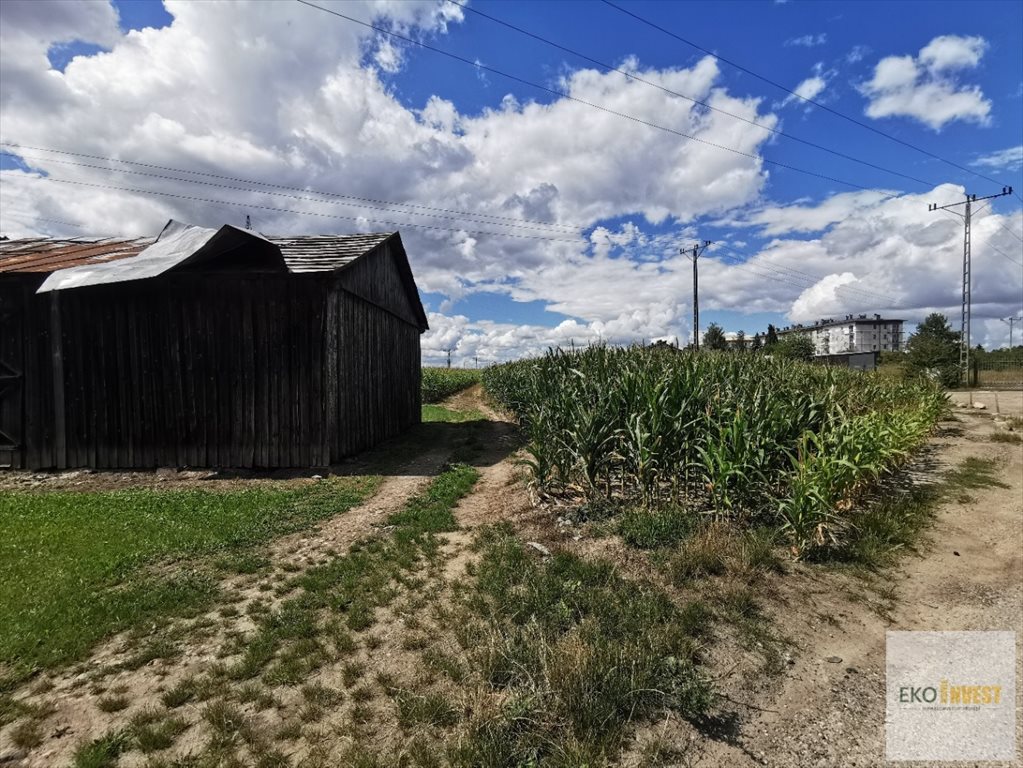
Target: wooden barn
<point>205,348</point>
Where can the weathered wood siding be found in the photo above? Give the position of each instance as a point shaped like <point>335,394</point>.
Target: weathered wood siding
<point>377,375</point>
<point>213,371</point>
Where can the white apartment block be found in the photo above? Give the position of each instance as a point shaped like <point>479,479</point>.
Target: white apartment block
<point>852,335</point>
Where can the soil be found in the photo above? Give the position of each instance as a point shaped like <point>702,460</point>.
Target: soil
<point>967,576</point>
<point>815,711</point>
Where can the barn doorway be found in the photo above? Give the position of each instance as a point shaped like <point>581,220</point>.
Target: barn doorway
<point>12,390</point>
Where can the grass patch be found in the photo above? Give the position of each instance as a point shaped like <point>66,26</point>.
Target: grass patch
<point>579,652</point>
<point>27,734</point>
<point>1013,438</point>
<point>974,473</point>
<point>112,703</point>
<point>648,529</point>
<point>714,549</point>
<point>102,752</point>
<point>180,694</point>
<point>438,413</point>
<point>151,731</point>
<point>888,527</point>
<point>424,709</point>
<point>892,524</point>
<point>352,586</point>
<point>74,566</point>
<point>431,511</point>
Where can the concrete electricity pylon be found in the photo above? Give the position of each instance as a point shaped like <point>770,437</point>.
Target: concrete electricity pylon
<point>964,336</point>
<point>1011,321</point>
<point>694,256</point>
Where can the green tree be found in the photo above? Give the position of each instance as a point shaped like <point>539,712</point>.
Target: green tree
<point>794,346</point>
<point>772,336</point>
<point>934,350</point>
<point>740,341</point>
<point>756,344</point>
<point>714,338</point>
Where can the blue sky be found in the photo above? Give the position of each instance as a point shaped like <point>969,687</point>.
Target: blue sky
<point>932,76</point>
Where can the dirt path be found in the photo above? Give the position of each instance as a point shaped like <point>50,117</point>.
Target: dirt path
<point>816,712</point>
<point>969,577</point>
<point>73,697</point>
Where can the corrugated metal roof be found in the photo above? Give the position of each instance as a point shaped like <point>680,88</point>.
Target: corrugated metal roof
<point>305,253</point>
<point>43,254</point>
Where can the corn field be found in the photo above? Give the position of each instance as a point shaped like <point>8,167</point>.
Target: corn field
<point>439,383</point>
<point>741,438</point>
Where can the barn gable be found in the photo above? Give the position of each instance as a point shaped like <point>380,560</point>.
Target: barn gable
<point>372,266</point>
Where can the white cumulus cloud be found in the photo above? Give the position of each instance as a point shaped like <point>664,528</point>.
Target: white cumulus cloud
<point>927,87</point>
<point>1010,159</point>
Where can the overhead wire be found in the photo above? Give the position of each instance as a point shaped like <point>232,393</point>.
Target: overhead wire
<point>564,95</point>
<point>806,99</point>
<point>270,185</point>
<point>671,92</point>
<point>803,276</point>
<point>32,217</point>
<point>805,279</point>
<point>254,206</point>
<point>244,189</point>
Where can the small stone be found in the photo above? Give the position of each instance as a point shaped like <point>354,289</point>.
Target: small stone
<point>979,406</point>
<point>317,477</point>
<point>539,548</point>
<point>834,659</point>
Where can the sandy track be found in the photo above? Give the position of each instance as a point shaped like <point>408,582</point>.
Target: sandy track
<point>969,577</point>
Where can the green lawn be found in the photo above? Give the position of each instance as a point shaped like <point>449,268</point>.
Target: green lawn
<point>76,567</point>
<point>432,413</point>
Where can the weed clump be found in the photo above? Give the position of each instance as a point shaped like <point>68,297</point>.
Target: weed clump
<point>577,650</point>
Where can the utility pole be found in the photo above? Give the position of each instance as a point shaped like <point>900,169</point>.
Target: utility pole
<point>964,335</point>
<point>1010,321</point>
<point>694,256</point>
<point>448,350</point>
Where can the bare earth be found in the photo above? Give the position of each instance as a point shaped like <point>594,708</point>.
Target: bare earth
<point>816,712</point>
<point>969,576</point>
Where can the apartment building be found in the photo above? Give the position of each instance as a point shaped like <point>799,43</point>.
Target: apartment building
<point>852,334</point>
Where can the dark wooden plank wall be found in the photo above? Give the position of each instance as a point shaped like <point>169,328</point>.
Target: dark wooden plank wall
<point>205,371</point>
<point>218,371</point>
<point>377,375</point>
<point>34,398</point>
<point>375,278</point>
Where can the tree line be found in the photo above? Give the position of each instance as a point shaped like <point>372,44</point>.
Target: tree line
<point>793,346</point>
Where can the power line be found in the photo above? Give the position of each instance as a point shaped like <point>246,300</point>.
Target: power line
<point>996,249</point>
<point>269,185</point>
<point>784,279</point>
<point>245,189</point>
<point>810,279</point>
<point>29,217</point>
<point>306,213</point>
<point>808,100</point>
<point>562,94</point>
<point>1010,231</point>
<point>802,280</point>
<point>637,78</point>
<point>992,246</point>
<point>964,335</point>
